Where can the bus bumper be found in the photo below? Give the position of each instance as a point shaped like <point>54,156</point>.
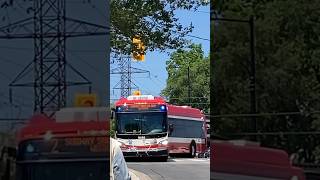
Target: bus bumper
<point>160,153</point>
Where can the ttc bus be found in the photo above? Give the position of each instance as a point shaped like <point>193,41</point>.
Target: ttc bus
<point>146,126</point>
<point>230,161</point>
<point>73,145</point>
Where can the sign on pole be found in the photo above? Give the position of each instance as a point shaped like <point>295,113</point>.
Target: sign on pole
<point>86,100</point>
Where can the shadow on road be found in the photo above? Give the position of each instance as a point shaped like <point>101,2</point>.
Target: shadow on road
<point>155,159</point>
<point>144,159</point>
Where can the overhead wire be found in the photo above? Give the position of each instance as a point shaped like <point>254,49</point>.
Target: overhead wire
<point>97,70</point>
<point>139,85</point>
<point>154,75</point>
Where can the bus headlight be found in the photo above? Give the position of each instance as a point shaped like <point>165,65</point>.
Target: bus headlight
<point>164,142</point>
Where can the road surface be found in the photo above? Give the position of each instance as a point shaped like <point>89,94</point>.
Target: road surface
<point>175,168</point>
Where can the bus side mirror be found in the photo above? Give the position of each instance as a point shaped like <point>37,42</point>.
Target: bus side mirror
<point>112,113</point>
<point>170,128</point>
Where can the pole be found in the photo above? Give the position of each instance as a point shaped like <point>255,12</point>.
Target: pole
<point>252,86</point>
<point>253,103</point>
<point>189,85</point>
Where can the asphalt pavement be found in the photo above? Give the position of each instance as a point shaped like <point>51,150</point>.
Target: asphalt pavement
<point>173,169</point>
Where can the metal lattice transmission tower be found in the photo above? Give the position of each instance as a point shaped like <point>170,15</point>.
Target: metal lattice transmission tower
<point>126,70</point>
<point>49,28</point>
<point>49,56</point>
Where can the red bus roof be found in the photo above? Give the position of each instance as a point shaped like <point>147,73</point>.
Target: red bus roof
<point>156,100</point>
<point>184,111</point>
<point>39,125</point>
<point>252,161</point>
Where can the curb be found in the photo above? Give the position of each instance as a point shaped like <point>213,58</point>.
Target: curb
<point>136,175</point>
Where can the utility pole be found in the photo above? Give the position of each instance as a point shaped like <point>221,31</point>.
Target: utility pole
<point>252,76</point>
<point>189,85</point>
<point>253,103</point>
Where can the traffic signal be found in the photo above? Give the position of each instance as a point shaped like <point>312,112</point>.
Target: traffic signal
<point>138,49</point>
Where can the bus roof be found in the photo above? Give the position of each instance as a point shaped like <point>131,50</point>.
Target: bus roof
<point>140,99</point>
<point>184,111</point>
<point>252,161</point>
<point>39,125</point>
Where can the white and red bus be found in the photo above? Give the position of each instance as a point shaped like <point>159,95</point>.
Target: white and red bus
<point>189,132</point>
<point>251,162</point>
<point>73,145</point>
<point>148,126</point>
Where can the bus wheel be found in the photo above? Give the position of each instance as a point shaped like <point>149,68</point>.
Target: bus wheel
<point>163,159</point>
<point>193,149</point>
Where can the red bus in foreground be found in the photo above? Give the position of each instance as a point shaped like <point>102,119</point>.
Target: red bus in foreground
<point>251,162</point>
<point>148,126</point>
<point>73,145</point>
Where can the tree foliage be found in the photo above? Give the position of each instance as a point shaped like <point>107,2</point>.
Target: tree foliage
<point>177,87</point>
<point>287,48</point>
<point>155,21</point>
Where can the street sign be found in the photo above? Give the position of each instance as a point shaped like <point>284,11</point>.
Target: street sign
<point>86,100</point>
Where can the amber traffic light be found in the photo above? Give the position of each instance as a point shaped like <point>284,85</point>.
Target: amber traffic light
<point>138,49</point>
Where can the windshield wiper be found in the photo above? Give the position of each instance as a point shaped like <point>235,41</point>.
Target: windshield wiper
<point>132,132</point>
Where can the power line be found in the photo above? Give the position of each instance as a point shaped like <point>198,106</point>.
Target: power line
<point>277,133</point>
<point>191,97</point>
<point>16,48</point>
<point>69,50</point>
<point>19,100</point>
<point>100,12</point>
<point>143,66</point>
<point>86,63</point>
<point>197,37</point>
<point>6,60</point>
<point>88,2</point>
<point>264,114</point>
<point>149,91</point>
<point>193,36</point>
<point>206,12</point>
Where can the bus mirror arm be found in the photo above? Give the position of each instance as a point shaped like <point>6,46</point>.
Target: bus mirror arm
<point>112,113</point>
<point>170,128</point>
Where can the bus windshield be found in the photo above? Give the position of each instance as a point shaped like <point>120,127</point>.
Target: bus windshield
<point>141,123</point>
<point>63,158</point>
<point>65,171</point>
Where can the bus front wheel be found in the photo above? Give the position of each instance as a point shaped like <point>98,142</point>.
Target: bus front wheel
<point>163,159</point>
<point>193,149</point>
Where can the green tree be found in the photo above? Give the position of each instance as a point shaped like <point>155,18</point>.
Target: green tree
<point>155,21</point>
<point>287,38</point>
<point>178,85</point>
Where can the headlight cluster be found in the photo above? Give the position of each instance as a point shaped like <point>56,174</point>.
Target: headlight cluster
<point>163,142</point>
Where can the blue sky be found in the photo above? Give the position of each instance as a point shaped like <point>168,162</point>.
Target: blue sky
<point>155,61</point>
